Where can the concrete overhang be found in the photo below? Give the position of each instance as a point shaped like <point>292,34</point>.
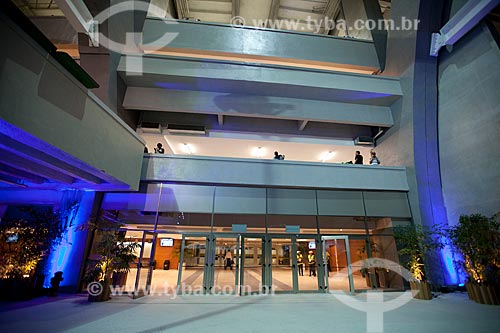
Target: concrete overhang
<point>254,79</point>
<point>167,36</point>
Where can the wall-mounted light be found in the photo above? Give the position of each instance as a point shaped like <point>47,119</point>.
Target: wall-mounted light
<point>327,156</point>
<point>187,149</point>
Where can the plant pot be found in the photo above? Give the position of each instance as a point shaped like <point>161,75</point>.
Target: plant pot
<point>367,275</point>
<point>16,289</point>
<point>421,290</point>
<point>119,278</point>
<point>469,290</point>
<point>105,295</point>
<point>483,294</point>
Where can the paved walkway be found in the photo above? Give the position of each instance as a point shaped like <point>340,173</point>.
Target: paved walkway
<point>275,313</point>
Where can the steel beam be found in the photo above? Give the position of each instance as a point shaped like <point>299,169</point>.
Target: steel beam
<point>302,124</point>
<point>20,163</point>
<point>273,12</point>
<point>13,172</point>
<point>182,9</point>
<point>463,21</point>
<point>330,12</point>
<point>80,18</point>
<point>236,8</point>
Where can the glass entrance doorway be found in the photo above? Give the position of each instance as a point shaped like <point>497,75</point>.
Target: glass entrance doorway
<point>209,264</point>
<point>337,268</point>
<point>295,263</point>
<point>244,264</point>
<point>253,265</point>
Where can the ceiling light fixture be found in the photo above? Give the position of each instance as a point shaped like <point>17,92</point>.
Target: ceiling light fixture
<point>187,149</point>
<point>259,152</point>
<point>328,156</point>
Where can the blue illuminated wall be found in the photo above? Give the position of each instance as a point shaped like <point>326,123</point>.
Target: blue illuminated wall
<point>413,140</point>
<point>68,257</point>
<point>425,130</point>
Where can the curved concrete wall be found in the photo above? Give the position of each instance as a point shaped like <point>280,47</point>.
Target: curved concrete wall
<point>469,125</point>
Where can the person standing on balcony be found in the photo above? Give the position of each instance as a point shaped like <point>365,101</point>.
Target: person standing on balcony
<point>159,149</point>
<point>374,159</point>
<point>358,158</point>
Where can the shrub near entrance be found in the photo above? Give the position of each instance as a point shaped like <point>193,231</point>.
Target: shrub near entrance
<point>477,239</point>
<point>414,243</point>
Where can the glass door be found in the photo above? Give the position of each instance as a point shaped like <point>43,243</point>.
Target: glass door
<point>193,260</point>
<point>283,265</point>
<point>226,265</point>
<point>252,264</point>
<point>307,264</point>
<point>337,268</point>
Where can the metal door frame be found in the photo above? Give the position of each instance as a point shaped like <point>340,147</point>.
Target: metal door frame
<point>295,269</point>
<point>293,255</point>
<point>141,293</point>
<point>348,254</point>
<point>264,261</point>
<point>319,261</point>
<point>209,264</point>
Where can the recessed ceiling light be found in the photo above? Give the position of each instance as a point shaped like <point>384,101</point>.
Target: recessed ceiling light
<point>327,156</point>
<point>258,152</point>
<point>187,149</point>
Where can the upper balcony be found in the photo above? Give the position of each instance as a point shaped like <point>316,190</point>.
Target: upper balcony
<point>258,45</point>
<point>271,173</point>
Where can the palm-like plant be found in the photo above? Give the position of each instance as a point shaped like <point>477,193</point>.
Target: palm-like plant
<point>112,252</point>
<point>414,242</point>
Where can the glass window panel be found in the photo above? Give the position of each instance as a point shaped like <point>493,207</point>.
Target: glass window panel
<point>391,204</point>
<point>340,203</point>
<point>291,201</point>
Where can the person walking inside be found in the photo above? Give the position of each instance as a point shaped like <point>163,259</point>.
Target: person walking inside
<point>228,260</point>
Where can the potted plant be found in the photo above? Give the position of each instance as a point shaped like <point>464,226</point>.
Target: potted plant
<point>112,256</point>
<point>477,239</point>
<point>414,242</point>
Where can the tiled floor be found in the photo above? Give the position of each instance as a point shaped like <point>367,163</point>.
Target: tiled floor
<point>274,313</point>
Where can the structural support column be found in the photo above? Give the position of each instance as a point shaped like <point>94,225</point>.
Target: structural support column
<point>426,144</point>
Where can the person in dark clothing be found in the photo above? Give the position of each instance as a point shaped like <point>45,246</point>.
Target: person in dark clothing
<point>358,158</point>
<point>159,149</point>
<point>278,156</point>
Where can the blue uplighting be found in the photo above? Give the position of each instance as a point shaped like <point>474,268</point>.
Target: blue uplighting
<point>452,276</point>
<point>68,256</point>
